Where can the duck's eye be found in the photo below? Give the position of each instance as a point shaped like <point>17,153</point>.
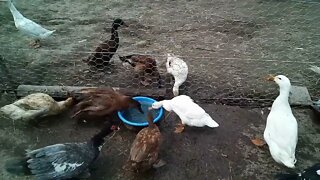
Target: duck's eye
<point>279,78</point>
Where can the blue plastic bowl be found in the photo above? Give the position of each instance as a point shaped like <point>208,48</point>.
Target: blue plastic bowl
<point>127,116</point>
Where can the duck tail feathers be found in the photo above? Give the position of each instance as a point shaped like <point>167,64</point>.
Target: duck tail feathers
<point>210,122</point>
<point>48,33</point>
<point>290,162</point>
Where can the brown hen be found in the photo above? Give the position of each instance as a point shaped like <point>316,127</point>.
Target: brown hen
<point>145,148</point>
<point>145,66</point>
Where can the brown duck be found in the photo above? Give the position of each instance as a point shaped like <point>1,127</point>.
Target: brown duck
<point>101,102</point>
<point>105,51</point>
<point>145,148</point>
<point>145,67</point>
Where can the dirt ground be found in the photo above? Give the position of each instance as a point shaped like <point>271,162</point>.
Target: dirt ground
<point>225,152</point>
<point>229,46</point>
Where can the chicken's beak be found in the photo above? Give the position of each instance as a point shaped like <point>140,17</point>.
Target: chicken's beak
<point>270,78</point>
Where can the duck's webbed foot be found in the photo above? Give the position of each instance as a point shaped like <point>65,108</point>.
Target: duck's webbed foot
<point>179,128</point>
<point>35,44</point>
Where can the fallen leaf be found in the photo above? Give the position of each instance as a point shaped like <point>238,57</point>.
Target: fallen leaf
<point>224,155</point>
<point>258,142</point>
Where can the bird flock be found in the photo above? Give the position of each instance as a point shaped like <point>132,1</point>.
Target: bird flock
<point>69,160</point>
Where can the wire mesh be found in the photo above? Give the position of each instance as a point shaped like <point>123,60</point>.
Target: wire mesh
<point>229,46</point>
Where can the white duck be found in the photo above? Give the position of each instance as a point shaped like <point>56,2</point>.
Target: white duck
<point>281,132</point>
<point>34,106</point>
<point>179,69</point>
<point>28,27</point>
<point>189,112</point>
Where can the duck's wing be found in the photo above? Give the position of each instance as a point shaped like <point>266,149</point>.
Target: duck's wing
<point>94,55</point>
<point>87,93</point>
<point>96,105</point>
<point>31,28</point>
<point>146,142</point>
<point>59,160</point>
<point>281,137</point>
<point>185,106</point>
<point>35,101</point>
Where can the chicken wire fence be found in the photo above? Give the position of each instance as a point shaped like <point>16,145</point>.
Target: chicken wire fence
<point>229,46</point>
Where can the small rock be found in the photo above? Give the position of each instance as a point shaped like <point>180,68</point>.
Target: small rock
<point>81,41</point>
<point>224,155</point>
<point>299,96</point>
<point>142,44</point>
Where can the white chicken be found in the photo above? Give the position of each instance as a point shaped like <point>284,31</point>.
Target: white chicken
<point>28,27</point>
<point>190,113</point>
<point>281,132</point>
<point>179,69</point>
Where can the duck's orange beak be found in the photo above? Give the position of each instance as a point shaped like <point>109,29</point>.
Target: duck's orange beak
<point>270,78</point>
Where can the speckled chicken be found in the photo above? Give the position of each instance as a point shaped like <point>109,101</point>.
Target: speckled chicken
<point>145,66</point>
<point>101,102</point>
<point>145,148</point>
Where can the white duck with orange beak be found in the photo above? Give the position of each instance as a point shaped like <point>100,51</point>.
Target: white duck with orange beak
<point>190,113</point>
<point>281,132</point>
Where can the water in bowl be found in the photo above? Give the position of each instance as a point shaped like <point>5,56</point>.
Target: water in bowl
<point>134,115</point>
